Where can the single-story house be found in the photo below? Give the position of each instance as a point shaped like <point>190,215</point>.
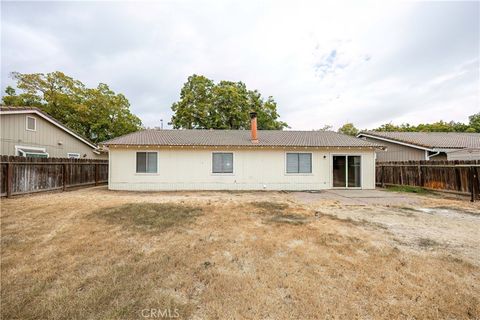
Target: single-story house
<point>30,132</point>
<point>405,146</point>
<point>240,160</point>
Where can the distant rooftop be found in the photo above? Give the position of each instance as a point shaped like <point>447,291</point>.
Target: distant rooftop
<point>432,140</point>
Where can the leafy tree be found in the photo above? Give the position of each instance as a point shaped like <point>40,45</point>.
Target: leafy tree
<point>194,106</point>
<point>96,113</point>
<point>439,126</point>
<point>348,129</point>
<point>226,105</point>
<point>326,127</point>
<point>474,124</point>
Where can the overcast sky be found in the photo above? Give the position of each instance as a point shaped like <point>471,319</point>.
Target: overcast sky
<point>323,62</point>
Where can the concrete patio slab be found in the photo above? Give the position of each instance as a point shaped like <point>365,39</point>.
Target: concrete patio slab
<point>359,197</point>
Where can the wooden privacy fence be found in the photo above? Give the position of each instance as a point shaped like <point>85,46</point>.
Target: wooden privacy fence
<point>462,177</point>
<point>20,175</point>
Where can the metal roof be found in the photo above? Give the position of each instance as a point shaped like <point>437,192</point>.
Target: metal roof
<point>274,138</point>
<point>431,140</point>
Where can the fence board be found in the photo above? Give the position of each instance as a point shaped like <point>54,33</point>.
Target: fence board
<point>30,175</point>
<point>461,176</point>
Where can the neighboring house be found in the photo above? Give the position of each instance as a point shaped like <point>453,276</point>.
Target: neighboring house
<point>240,160</point>
<point>464,154</point>
<point>30,132</point>
<point>404,146</point>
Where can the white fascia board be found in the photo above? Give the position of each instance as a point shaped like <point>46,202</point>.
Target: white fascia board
<point>394,141</point>
<point>52,122</point>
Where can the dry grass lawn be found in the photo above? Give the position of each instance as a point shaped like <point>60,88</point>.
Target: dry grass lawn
<point>97,254</point>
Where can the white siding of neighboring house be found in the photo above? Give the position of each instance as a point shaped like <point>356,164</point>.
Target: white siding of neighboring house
<point>264,169</point>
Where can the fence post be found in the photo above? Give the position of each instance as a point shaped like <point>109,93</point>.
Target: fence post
<point>382,184</point>
<point>420,176</point>
<point>65,176</point>
<point>473,177</point>
<point>9,179</point>
<point>96,174</point>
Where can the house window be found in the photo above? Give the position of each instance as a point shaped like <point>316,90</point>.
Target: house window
<point>31,152</point>
<point>146,162</point>
<point>73,155</point>
<point>31,123</point>
<point>222,162</point>
<point>299,163</point>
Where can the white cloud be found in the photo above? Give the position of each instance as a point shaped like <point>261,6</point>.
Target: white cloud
<point>323,62</point>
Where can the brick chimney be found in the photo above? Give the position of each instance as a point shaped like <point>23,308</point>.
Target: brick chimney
<point>253,127</point>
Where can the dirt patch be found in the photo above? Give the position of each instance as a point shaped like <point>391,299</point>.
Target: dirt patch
<point>348,220</point>
<point>149,216</point>
<point>457,210</point>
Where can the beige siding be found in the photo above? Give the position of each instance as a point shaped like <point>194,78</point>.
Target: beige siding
<point>191,169</point>
<point>48,136</point>
<point>467,154</point>
<point>397,152</point>
<point>440,157</point>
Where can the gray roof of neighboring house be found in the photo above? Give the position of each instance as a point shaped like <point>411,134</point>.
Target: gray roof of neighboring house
<point>432,140</point>
<point>274,138</point>
<point>13,110</point>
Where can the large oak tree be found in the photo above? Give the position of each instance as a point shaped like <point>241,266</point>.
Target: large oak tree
<point>226,105</point>
<point>96,113</point>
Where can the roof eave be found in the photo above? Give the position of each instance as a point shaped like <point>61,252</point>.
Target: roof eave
<point>373,136</point>
<point>115,145</point>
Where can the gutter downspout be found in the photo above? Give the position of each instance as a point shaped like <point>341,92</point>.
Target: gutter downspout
<point>433,155</point>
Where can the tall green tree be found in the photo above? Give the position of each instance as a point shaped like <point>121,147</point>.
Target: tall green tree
<point>97,113</point>
<point>474,124</point>
<point>439,126</point>
<point>226,105</point>
<point>348,129</point>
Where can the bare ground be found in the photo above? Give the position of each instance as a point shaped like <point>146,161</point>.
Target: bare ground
<point>267,255</point>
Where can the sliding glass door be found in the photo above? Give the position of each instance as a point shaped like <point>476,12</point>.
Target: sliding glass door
<point>347,171</point>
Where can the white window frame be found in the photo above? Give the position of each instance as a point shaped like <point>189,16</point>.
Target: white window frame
<point>223,173</point>
<point>146,173</point>
<point>18,150</point>
<point>346,173</point>
<point>73,155</point>
<point>35,122</point>
<point>298,174</point>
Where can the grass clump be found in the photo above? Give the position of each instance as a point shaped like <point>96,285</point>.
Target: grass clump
<point>410,189</point>
<point>427,243</point>
<point>276,213</point>
<point>150,216</point>
<point>288,219</point>
<point>269,207</point>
